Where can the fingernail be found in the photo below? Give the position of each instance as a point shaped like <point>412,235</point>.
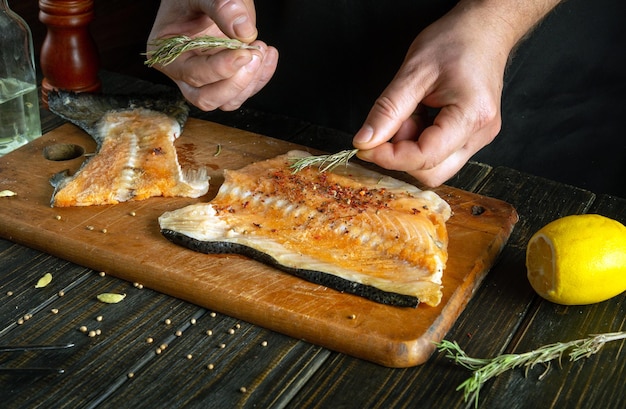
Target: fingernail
<point>243,28</point>
<point>254,64</point>
<point>364,135</point>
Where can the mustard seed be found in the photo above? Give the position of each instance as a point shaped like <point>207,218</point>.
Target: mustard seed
<point>210,366</point>
<point>90,228</point>
<point>58,217</point>
<point>131,375</point>
<point>213,315</point>
<point>9,293</point>
<point>102,274</point>
<point>209,332</point>
<point>222,346</point>
<point>98,331</point>
<point>192,321</point>
<point>61,293</point>
<point>54,311</point>
<point>104,230</point>
<point>20,321</point>
<point>91,334</point>
<point>158,351</point>
<point>231,331</point>
<point>149,340</point>
<point>133,214</point>
<point>179,333</point>
<point>264,343</point>
<point>168,321</point>
<point>99,318</point>
<point>83,329</point>
<point>243,389</point>
<point>189,356</point>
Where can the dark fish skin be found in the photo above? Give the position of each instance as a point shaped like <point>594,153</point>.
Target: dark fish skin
<point>317,277</point>
<point>86,109</point>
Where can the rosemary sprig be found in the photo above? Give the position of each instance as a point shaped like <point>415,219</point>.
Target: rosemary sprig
<point>170,48</point>
<point>485,369</point>
<point>324,162</point>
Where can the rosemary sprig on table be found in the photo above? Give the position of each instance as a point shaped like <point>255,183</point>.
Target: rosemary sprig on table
<point>170,48</point>
<point>324,162</point>
<point>485,369</point>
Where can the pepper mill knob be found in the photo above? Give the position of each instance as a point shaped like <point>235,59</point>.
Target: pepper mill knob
<point>69,57</point>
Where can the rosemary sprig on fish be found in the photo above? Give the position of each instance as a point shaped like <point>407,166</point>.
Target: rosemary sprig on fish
<point>326,163</point>
<point>170,48</point>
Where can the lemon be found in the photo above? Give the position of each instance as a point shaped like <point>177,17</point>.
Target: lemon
<point>578,259</point>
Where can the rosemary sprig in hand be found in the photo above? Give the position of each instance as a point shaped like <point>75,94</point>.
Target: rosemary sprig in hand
<point>170,48</point>
<point>324,162</point>
<point>485,369</point>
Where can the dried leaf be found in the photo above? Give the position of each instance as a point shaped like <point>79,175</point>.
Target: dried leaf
<point>7,193</point>
<point>44,281</point>
<point>111,298</point>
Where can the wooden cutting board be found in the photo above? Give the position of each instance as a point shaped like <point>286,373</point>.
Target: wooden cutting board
<point>124,241</point>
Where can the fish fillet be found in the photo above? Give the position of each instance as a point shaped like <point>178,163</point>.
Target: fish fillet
<point>135,159</point>
<point>351,229</point>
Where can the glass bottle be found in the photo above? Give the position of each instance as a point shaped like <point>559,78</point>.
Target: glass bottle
<point>19,98</point>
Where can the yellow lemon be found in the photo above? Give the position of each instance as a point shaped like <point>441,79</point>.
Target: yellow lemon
<point>578,259</point>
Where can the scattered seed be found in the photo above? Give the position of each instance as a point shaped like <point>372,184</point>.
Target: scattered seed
<point>140,286</point>
<point>158,351</point>
<point>54,310</point>
<point>163,347</point>
<point>98,331</point>
<point>179,333</point>
<point>168,321</point>
<point>149,340</point>
<point>222,346</point>
<point>237,326</point>
<point>243,389</point>
<point>104,230</point>
<point>133,214</point>
<point>91,334</point>
<point>209,332</point>
<point>213,314</point>
<point>352,317</point>
<point>9,293</point>
<point>58,217</point>
<point>231,331</point>
<point>189,356</point>
<point>90,228</point>
<point>27,317</point>
<point>102,274</point>
<point>20,321</point>
<point>44,281</point>
<point>99,318</point>
<point>131,375</point>
<point>61,293</point>
<point>192,321</point>
<point>210,367</point>
<point>83,329</point>
<point>264,343</point>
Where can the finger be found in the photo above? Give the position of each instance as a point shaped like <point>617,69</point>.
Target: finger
<point>236,18</point>
<point>198,70</point>
<point>391,109</point>
<point>445,170</point>
<point>261,78</point>
<point>422,151</point>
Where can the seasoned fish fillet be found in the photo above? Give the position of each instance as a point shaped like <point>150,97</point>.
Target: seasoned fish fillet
<point>135,159</point>
<point>350,229</point>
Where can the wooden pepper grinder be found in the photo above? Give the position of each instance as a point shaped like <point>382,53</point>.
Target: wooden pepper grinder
<point>69,57</point>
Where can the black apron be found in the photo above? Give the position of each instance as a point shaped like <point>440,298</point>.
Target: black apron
<point>563,101</point>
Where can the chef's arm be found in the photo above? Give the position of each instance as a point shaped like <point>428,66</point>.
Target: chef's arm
<point>456,66</point>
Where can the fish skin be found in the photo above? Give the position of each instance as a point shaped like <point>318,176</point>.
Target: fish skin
<point>135,156</point>
<point>86,109</point>
<point>354,231</point>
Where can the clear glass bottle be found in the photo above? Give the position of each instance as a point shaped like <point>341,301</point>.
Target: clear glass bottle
<point>19,98</point>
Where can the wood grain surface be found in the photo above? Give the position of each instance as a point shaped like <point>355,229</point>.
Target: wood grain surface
<point>124,241</point>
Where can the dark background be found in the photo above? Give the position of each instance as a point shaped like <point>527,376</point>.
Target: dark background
<point>563,104</point>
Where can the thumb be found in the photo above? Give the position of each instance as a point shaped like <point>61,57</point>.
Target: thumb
<point>236,18</point>
<point>394,106</point>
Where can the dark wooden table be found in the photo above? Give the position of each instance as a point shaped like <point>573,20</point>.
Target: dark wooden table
<point>220,362</point>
